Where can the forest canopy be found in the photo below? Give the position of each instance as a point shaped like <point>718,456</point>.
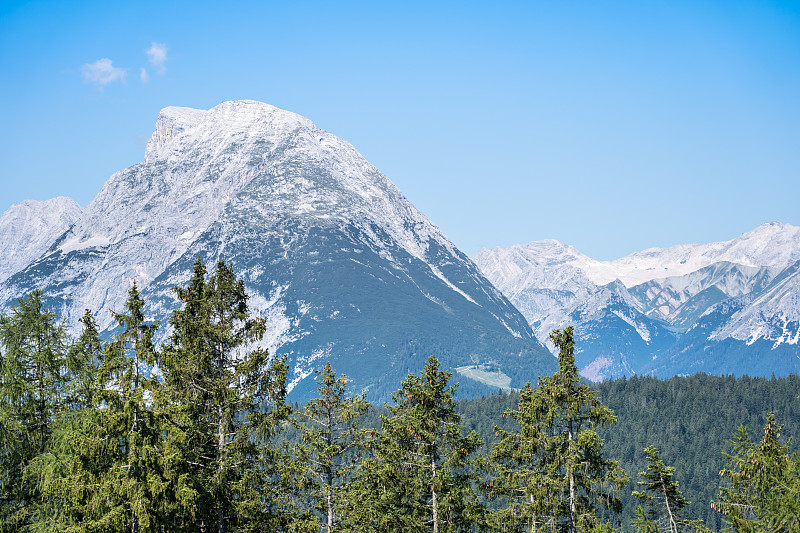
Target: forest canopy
<point>196,434</point>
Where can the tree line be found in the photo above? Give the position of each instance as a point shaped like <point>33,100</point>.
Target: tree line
<point>196,435</point>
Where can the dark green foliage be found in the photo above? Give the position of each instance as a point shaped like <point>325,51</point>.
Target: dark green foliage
<point>691,419</point>
<point>551,472</point>
<point>133,488</point>
<point>663,500</point>
<point>761,484</point>
<point>33,383</point>
<point>114,480</point>
<point>223,404</point>
<point>122,437</point>
<point>420,477</point>
<point>84,359</point>
<point>72,473</point>
<point>332,445</point>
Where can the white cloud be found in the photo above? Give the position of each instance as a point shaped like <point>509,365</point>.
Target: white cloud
<point>157,55</point>
<point>145,77</point>
<point>102,72</point>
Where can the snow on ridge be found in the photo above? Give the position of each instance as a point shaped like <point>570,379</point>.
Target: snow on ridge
<point>197,163</point>
<point>781,325</point>
<point>772,244</point>
<point>28,228</point>
<point>379,200</point>
<point>242,116</point>
<point>171,122</point>
<point>450,284</point>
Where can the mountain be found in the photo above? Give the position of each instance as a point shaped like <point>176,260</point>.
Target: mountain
<point>551,284</point>
<point>343,267</point>
<point>28,228</point>
<point>681,300</point>
<point>723,307</point>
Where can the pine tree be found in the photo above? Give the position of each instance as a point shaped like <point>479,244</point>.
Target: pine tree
<point>84,359</point>
<point>79,454</point>
<point>223,403</point>
<point>32,392</point>
<point>331,446</point>
<point>528,495</point>
<point>663,499</point>
<point>133,490</point>
<point>761,489</point>
<point>551,475</point>
<point>420,477</point>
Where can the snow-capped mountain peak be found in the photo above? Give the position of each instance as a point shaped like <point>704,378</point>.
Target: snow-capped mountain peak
<point>772,245</point>
<point>633,311</point>
<point>337,260</point>
<point>29,228</point>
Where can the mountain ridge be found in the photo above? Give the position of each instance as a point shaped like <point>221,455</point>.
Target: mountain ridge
<point>669,291</point>
<point>32,226</point>
<point>338,261</point>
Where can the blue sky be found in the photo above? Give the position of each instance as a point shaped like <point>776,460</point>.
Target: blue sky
<point>612,126</point>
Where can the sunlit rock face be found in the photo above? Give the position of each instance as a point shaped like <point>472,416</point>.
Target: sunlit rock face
<point>340,263</point>
<point>29,228</point>
<point>724,307</point>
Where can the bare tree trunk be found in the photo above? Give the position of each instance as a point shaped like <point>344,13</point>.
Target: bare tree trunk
<point>330,512</point>
<point>135,426</point>
<point>329,469</point>
<point>221,524</point>
<point>135,389</point>
<point>433,493</point>
<point>42,407</point>
<point>573,512</point>
<point>673,527</point>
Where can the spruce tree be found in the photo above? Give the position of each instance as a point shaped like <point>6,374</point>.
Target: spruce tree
<point>84,358</point>
<point>761,485</point>
<point>81,451</point>
<point>331,446</point>
<point>551,474</point>
<point>663,499</point>
<point>420,477</point>
<point>223,402</point>
<point>32,392</point>
<point>133,489</point>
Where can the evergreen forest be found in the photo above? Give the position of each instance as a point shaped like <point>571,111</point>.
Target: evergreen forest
<point>196,434</point>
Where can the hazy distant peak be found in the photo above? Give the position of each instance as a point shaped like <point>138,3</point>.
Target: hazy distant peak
<point>773,244</point>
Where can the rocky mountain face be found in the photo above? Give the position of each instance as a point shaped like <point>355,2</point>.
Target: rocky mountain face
<point>28,228</point>
<point>340,263</point>
<point>724,307</point>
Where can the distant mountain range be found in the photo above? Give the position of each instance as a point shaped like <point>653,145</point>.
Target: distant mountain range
<point>724,307</point>
<point>343,267</point>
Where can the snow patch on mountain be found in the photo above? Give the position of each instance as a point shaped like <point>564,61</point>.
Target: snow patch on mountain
<point>196,163</point>
<point>596,370</point>
<point>29,228</point>
<point>450,284</point>
<point>304,365</point>
<point>518,267</point>
<point>773,315</point>
<point>772,245</point>
<point>739,289</point>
